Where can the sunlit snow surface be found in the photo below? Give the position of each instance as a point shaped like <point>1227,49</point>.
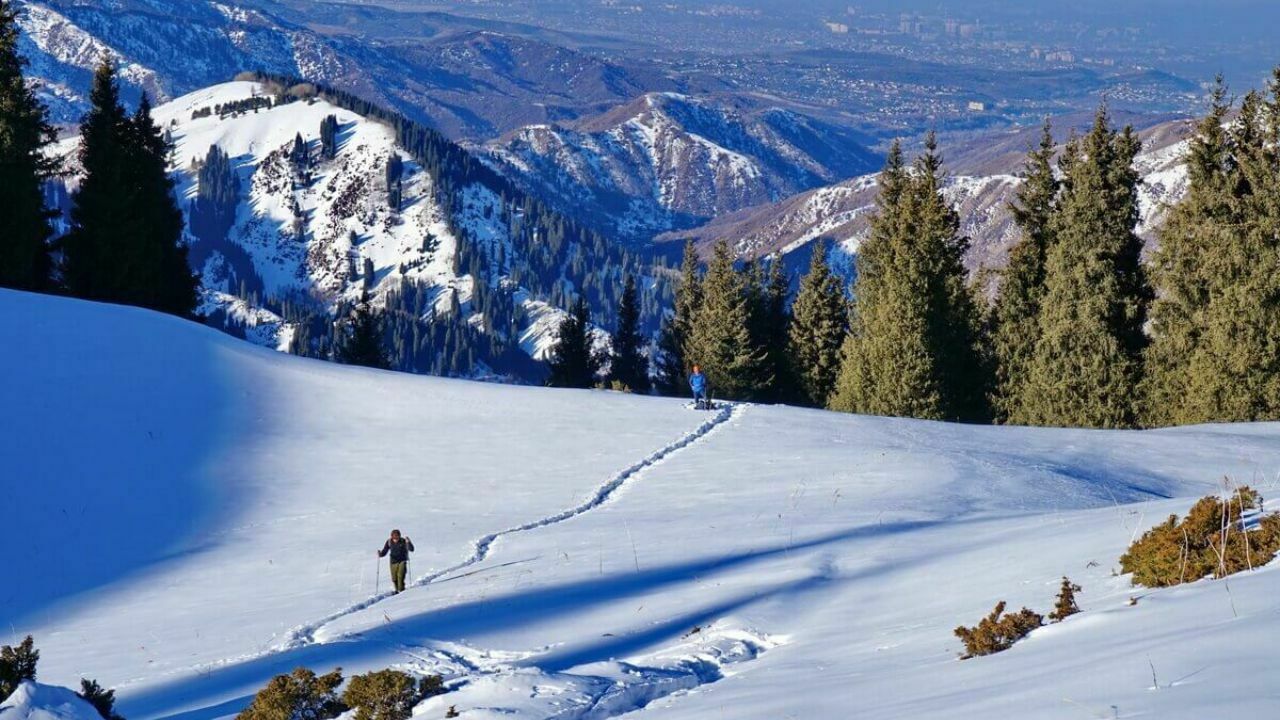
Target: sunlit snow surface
<point>190,515</point>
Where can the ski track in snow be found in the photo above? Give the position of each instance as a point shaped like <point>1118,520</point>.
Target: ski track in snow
<point>304,635</point>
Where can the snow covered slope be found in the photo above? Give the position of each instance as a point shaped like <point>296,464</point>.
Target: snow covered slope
<point>33,701</point>
<point>191,514</point>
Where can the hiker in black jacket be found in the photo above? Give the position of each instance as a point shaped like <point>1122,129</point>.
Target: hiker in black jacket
<point>399,548</point>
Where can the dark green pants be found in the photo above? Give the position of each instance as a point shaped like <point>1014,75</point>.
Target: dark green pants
<point>398,570</point>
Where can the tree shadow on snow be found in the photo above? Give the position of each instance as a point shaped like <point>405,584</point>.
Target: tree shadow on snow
<point>224,690</point>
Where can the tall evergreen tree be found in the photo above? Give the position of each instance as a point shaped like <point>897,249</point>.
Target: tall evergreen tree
<point>914,345</point>
<point>361,337</point>
<point>574,361</point>
<point>213,211</point>
<point>1015,318</point>
<point>767,289</point>
<point>93,255</point>
<point>819,324</point>
<point>1085,368</point>
<point>629,366</point>
<point>159,276</point>
<point>24,132</point>
<point>329,136</point>
<point>125,243</point>
<point>1215,354</point>
<point>673,363</point>
<point>720,340</point>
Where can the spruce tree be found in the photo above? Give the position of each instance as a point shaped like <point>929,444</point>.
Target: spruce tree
<point>629,366</point>
<point>819,324</point>
<point>767,290</point>
<point>161,277</point>
<point>574,361</point>
<point>1214,355</point>
<point>720,340</point>
<point>673,363</point>
<point>1015,318</point>
<point>1085,368</point>
<point>25,261</point>
<point>361,339</point>
<point>125,244</point>
<point>94,248</point>
<point>914,346</point>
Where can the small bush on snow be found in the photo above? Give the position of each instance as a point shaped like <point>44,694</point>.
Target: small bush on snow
<point>389,694</point>
<point>1211,540</point>
<point>1066,605</point>
<point>997,631</point>
<point>102,700</point>
<point>300,695</point>
<point>16,665</point>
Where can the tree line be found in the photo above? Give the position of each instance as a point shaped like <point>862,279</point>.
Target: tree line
<point>1082,332</point>
<point>124,243</point>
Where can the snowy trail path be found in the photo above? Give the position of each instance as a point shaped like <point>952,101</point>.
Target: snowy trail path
<point>307,634</point>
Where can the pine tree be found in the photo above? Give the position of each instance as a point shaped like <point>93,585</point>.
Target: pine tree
<point>629,366</point>
<point>720,340</point>
<point>913,349</point>
<point>819,324</point>
<point>673,362</point>
<point>1213,356</point>
<point>767,290</point>
<point>574,361</point>
<point>126,244</point>
<point>93,250</point>
<point>161,277</point>
<point>329,137</point>
<point>1015,318</point>
<point>361,340</point>
<point>1085,368</point>
<point>213,211</point>
<point>25,261</point>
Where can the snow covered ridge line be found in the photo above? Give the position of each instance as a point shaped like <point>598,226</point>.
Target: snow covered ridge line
<point>304,635</point>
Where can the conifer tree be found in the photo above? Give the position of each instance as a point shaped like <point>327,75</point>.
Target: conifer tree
<point>574,361</point>
<point>629,366</point>
<point>125,244</point>
<point>767,290</point>
<point>93,249</point>
<point>361,339</point>
<point>819,324</point>
<point>1015,318</point>
<point>1085,368</point>
<point>914,345</point>
<point>25,261</point>
<point>1217,319</point>
<point>673,364</point>
<point>329,137</point>
<point>159,276</point>
<point>721,340</point>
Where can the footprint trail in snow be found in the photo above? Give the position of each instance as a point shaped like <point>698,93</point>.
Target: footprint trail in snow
<point>306,634</point>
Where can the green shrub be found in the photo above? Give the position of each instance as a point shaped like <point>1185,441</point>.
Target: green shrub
<point>997,632</point>
<point>1210,541</point>
<point>300,695</point>
<point>389,694</point>
<point>1066,605</point>
<point>16,665</point>
<point>104,701</point>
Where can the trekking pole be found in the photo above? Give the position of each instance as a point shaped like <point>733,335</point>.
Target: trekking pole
<point>377,583</point>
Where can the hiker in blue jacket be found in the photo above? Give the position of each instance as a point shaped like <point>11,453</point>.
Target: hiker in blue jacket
<point>698,383</point>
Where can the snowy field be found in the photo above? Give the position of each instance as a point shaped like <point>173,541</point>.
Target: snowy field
<point>189,515</point>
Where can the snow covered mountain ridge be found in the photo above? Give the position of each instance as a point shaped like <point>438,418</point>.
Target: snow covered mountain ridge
<point>667,160</point>
<point>316,225</point>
